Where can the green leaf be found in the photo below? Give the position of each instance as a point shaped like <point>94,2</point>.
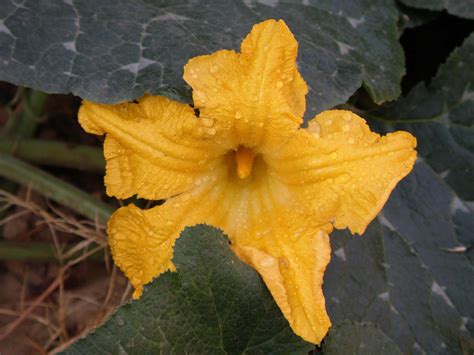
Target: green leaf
<point>358,338</point>
<point>441,116</point>
<point>461,8</point>
<point>213,304</point>
<point>412,17</point>
<point>115,50</point>
<point>412,272</point>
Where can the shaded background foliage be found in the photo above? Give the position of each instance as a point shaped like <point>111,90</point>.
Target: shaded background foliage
<point>405,286</point>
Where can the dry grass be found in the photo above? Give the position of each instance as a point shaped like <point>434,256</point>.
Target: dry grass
<point>46,306</point>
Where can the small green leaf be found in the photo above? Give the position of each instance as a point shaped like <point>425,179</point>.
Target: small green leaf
<point>115,50</point>
<point>461,8</point>
<point>358,338</point>
<point>213,304</point>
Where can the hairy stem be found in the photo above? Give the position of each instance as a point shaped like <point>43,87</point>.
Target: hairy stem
<point>51,187</point>
<point>36,252</point>
<point>55,153</point>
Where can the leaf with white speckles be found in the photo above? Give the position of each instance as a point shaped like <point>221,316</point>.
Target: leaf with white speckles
<point>441,116</point>
<point>213,304</point>
<point>115,50</point>
<point>461,8</point>
<point>412,273</point>
<point>358,338</point>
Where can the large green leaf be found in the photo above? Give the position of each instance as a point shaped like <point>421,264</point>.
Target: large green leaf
<point>114,50</point>
<point>358,338</point>
<point>412,272</point>
<point>462,8</point>
<point>441,116</point>
<point>213,304</point>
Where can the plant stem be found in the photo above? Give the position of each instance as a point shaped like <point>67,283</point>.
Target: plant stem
<point>32,107</point>
<point>54,188</point>
<point>55,153</point>
<point>23,124</point>
<point>35,252</point>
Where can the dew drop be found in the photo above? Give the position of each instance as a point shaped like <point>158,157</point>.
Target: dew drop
<point>208,122</point>
<point>328,122</point>
<point>346,128</point>
<point>344,178</point>
<point>260,124</point>
<point>238,115</point>
<point>314,129</point>
<point>279,84</point>
<point>199,96</point>
<point>333,155</point>
<point>213,69</point>
<point>211,131</point>
<point>347,117</point>
<point>267,262</point>
<point>194,76</point>
<point>350,140</point>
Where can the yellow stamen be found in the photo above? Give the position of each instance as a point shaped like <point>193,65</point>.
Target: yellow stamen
<point>244,159</point>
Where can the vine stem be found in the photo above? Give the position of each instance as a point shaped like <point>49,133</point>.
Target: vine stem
<point>56,189</point>
<point>36,252</point>
<point>55,153</point>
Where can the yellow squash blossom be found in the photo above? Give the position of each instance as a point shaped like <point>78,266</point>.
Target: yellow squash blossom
<point>243,163</point>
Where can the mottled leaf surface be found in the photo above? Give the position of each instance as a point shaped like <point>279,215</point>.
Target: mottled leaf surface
<point>214,304</point>
<point>412,274</point>
<point>358,338</point>
<point>462,8</point>
<point>441,116</point>
<point>115,50</point>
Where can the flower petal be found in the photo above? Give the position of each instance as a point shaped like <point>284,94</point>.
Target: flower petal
<point>253,92</point>
<point>142,241</point>
<point>283,242</point>
<point>342,169</point>
<point>156,148</point>
<point>291,257</point>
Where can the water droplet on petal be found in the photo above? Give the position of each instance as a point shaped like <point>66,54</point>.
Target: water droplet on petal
<point>208,122</point>
<point>347,117</point>
<point>211,131</point>
<point>238,115</point>
<point>194,76</point>
<point>267,262</point>
<point>199,96</point>
<point>346,128</point>
<point>344,178</point>
<point>333,155</point>
<point>314,129</point>
<point>279,84</point>
<point>213,69</point>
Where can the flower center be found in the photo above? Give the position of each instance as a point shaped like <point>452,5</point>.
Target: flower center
<point>244,159</point>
